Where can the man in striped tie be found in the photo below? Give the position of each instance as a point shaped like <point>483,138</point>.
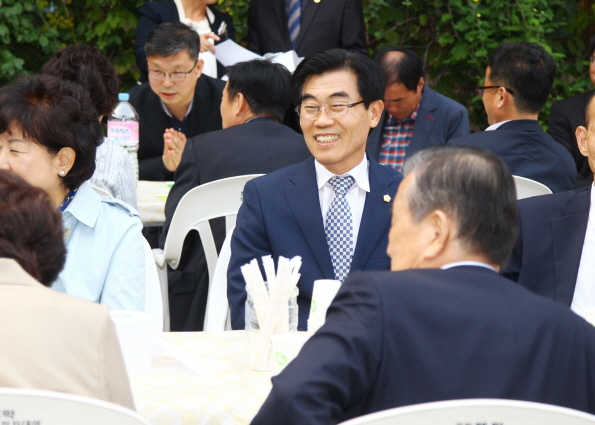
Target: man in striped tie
<point>333,210</point>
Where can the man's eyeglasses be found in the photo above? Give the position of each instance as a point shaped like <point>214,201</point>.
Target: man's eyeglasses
<point>481,89</point>
<point>174,76</point>
<point>333,109</point>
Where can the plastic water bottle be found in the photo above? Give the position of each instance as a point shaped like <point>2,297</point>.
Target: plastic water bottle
<point>122,128</point>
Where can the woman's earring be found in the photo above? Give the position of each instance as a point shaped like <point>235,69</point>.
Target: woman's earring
<point>62,173</point>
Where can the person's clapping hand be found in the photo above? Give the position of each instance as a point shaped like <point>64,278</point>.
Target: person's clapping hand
<point>173,146</point>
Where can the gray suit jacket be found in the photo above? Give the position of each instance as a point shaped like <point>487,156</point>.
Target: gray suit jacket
<point>56,342</point>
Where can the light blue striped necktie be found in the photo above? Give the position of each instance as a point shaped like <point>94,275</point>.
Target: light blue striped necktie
<point>293,22</point>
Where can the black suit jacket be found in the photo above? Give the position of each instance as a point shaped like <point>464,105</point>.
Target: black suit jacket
<point>257,147</point>
<point>528,151</point>
<point>565,116</point>
<point>324,25</point>
<point>153,13</point>
<point>153,121</point>
<point>548,251</point>
<point>400,338</point>
<point>281,216</point>
<point>439,119</point>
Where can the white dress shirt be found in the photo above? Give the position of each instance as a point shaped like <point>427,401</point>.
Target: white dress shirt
<point>356,195</point>
<point>495,126</point>
<point>584,292</point>
<point>467,263</point>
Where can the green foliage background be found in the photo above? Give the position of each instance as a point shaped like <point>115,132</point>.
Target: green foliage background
<point>454,37</point>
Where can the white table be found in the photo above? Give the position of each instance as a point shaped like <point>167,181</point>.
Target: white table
<point>150,198</point>
<point>222,392</point>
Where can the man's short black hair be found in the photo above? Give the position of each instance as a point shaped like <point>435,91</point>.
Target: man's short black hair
<point>406,68</point>
<point>170,38</point>
<point>525,68</point>
<point>265,86</point>
<point>369,79</point>
<point>476,188</point>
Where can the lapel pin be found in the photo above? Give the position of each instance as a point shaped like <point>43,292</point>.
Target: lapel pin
<point>316,1</point>
<point>386,198</point>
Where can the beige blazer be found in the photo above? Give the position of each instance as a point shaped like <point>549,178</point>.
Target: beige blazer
<point>52,341</point>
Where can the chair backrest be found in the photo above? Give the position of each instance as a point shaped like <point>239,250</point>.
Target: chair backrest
<point>53,408</point>
<point>221,198</point>
<point>101,191</point>
<point>525,188</point>
<point>217,316</point>
<point>476,411</point>
<point>153,296</point>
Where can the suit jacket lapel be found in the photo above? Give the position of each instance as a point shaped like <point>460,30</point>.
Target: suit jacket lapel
<point>375,213</point>
<point>201,108</point>
<point>424,123</point>
<point>307,17</point>
<point>568,236</point>
<point>305,204</point>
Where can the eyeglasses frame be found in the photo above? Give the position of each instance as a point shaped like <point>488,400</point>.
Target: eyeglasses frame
<point>349,105</point>
<point>481,89</point>
<point>169,74</point>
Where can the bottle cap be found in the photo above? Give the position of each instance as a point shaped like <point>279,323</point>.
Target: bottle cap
<point>123,97</point>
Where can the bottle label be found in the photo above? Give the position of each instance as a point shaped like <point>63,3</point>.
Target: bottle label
<point>123,133</point>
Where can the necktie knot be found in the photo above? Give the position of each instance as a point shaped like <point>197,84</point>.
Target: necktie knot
<point>341,184</point>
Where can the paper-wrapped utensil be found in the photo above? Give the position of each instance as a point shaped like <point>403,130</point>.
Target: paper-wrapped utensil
<point>270,304</point>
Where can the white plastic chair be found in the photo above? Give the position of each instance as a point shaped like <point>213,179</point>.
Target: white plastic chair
<point>54,408</point>
<point>153,296</point>
<point>221,198</point>
<point>101,191</point>
<point>525,188</point>
<point>476,411</point>
<point>217,317</point>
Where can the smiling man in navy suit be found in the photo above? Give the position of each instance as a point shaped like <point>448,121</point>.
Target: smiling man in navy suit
<point>339,194</point>
<point>555,253</point>
<point>443,325</point>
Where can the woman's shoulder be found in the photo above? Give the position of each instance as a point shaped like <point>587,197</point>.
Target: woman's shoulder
<point>96,210</point>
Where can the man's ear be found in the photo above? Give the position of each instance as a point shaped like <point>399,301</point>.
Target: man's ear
<point>239,104</point>
<point>581,139</point>
<point>199,65</point>
<point>375,112</point>
<point>440,224</point>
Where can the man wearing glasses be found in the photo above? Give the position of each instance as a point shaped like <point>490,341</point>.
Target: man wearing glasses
<point>333,210</point>
<point>518,81</point>
<point>415,117</point>
<point>177,102</point>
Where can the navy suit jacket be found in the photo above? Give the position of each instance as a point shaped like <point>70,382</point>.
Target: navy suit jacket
<point>565,116</point>
<point>528,151</point>
<point>256,147</point>
<point>281,216</point>
<point>399,338</point>
<point>548,251</point>
<point>439,119</point>
<point>324,25</point>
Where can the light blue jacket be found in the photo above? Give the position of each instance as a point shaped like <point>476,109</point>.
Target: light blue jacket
<point>105,252</point>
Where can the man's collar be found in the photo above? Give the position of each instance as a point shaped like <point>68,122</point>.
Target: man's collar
<point>169,113</point>
<point>359,173</point>
<point>467,263</point>
<point>497,125</point>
